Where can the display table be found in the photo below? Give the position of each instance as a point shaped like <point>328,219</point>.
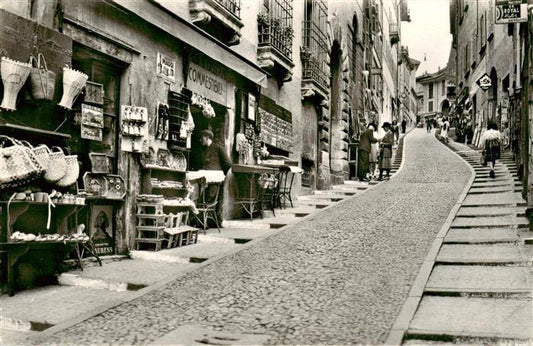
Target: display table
<point>247,188</point>
<point>17,249</point>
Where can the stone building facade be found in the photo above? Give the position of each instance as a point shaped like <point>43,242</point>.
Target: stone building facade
<point>297,78</point>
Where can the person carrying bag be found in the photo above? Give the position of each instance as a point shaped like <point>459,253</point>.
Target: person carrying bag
<point>491,142</point>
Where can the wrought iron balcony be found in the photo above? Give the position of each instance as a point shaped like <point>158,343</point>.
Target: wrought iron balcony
<point>220,18</point>
<point>314,60</point>
<point>274,51</point>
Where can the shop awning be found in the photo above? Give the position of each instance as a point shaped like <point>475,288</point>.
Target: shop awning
<point>188,33</point>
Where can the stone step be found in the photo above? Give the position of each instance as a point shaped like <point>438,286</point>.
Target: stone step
<point>482,254</point>
<point>494,189</point>
<point>316,203</point>
<point>335,193</point>
<point>481,279</point>
<point>473,317</point>
<point>491,211</point>
<point>234,235</point>
<point>298,211</point>
<point>321,197</point>
<point>490,221</point>
<point>509,182</point>
<point>499,178</point>
<point>244,223</point>
<point>505,198</point>
<point>480,235</point>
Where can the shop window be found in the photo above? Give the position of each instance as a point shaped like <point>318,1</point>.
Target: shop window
<point>430,106</point>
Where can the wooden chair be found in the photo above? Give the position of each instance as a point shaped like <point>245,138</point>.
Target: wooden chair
<point>207,204</point>
<point>284,187</point>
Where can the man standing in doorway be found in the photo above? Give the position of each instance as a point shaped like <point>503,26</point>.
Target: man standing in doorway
<point>212,155</point>
<point>365,144</point>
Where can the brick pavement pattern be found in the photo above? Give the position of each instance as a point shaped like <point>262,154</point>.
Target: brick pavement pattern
<point>340,277</point>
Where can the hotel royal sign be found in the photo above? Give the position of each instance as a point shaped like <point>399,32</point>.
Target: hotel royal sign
<point>512,11</point>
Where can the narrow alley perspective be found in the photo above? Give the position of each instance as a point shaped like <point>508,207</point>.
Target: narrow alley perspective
<point>266,172</point>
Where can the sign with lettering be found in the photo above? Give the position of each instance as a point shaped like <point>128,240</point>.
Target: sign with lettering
<point>166,67</point>
<point>510,12</point>
<point>208,82</point>
<point>484,82</point>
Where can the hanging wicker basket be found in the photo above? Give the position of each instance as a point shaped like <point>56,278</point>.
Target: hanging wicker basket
<point>14,75</point>
<point>42,80</point>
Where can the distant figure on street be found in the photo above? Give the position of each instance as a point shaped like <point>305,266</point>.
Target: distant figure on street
<point>385,153</point>
<point>373,158</point>
<point>428,125</point>
<point>404,125</point>
<point>365,142</point>
<point>444,130</point>
<point>491,142</point>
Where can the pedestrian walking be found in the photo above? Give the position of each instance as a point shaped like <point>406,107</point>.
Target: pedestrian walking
<point>428,125</point>
<point>404,125</point>
<point>491,142</point>
<point>385,153</point>
<point>444,130</point>
<point>373,158</point>
<point>365,141</point>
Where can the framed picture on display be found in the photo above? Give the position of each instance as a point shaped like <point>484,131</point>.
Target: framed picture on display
<point>101,230</point>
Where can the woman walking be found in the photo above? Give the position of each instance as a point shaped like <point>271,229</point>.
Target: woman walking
<point>373,159</point>
<point>385,160</point>
<point>491,141</point>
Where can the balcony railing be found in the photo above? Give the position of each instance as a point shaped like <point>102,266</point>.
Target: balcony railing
<point>314,55</point>
<point>234,6</point>
<point>272,33</point>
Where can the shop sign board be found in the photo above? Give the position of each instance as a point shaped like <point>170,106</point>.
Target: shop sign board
<point>510,12</point>
<point>209,83</point>
<point>484,82</point>
<point>166,67</point>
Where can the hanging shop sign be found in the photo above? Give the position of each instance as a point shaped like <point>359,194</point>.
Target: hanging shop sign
<point>510,12</point>
<point>484,82</point>
<point>209,83</point>
<point>166,67</point>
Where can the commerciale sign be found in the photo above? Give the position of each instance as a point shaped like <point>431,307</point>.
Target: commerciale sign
<point>510,12</point>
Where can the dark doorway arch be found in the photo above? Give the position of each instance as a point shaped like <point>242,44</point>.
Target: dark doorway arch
<point>445,107</point>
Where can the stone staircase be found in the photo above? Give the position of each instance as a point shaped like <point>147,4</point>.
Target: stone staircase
<point>479,287</point>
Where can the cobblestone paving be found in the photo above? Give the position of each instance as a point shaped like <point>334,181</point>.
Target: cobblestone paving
<point>340,277</point>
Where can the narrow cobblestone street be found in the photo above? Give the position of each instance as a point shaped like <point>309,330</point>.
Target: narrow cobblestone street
<point>338,278</point>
